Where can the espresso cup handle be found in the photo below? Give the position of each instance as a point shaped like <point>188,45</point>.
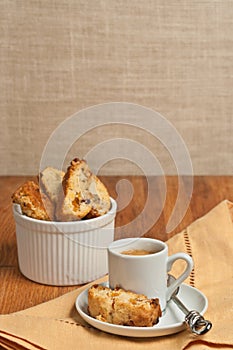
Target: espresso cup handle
<point>183,276</point>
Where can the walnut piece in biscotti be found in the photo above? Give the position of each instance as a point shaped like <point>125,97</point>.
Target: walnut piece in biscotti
<point>32,202</point>
<point>122,307</point>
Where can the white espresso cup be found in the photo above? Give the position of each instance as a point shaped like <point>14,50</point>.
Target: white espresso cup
<point>144,274</point>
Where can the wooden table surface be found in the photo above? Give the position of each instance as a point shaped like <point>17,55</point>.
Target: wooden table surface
<point>17,292</point>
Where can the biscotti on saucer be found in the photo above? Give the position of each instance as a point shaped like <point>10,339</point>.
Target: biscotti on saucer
<point>122,307</point>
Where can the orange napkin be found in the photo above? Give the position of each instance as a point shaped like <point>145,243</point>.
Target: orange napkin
<point>57,325</point>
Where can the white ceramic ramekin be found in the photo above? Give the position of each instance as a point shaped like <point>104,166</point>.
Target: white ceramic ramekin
<point>64,253</point>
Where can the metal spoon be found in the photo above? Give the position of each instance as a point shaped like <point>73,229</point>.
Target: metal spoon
<point>193,318</point>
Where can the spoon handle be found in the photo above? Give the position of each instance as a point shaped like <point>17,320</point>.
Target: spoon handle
<point>194,319</point>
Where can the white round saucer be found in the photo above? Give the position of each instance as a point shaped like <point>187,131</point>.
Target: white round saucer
<point>171,322</point>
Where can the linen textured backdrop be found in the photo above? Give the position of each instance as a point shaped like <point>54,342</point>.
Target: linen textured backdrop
<point>173,56</point>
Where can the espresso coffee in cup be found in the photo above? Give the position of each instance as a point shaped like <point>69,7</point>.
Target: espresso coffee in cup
<point>141,265</point>
<point>136,252</point>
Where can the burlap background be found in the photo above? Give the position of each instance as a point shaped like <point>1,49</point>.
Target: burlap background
<point>174,56</point>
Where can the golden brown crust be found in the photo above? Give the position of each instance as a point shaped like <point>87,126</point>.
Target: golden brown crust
<point>122,307</point>
<point>32,202</point>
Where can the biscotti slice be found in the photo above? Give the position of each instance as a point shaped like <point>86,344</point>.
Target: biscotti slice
<point>32,202</point>
<point>99,197</point>
<point>84,194</point>
<point>122,307</point>
<point>51,182</point>
<point>74,202</point>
